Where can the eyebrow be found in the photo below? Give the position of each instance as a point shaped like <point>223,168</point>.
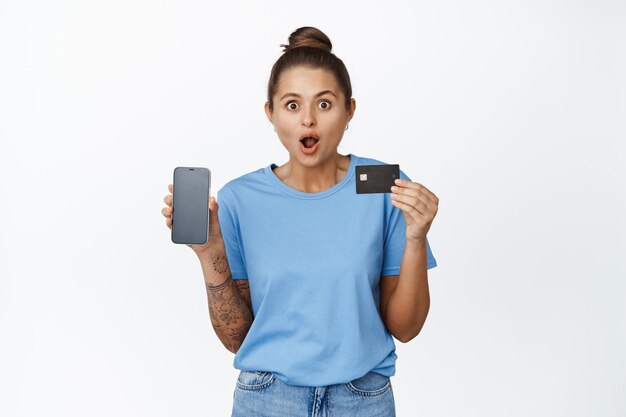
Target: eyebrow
<point>321,93</point>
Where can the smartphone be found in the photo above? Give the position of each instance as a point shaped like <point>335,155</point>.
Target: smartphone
<point>376,178</point>
<point>190,218</point>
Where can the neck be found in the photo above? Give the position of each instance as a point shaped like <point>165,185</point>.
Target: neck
<point>317,177</point>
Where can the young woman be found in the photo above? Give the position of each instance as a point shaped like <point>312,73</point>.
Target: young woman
<point>307,281</point>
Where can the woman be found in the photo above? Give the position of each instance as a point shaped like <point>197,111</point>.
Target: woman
<point>307,281</point>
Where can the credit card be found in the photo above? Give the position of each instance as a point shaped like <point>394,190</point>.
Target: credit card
<point>376,178</point>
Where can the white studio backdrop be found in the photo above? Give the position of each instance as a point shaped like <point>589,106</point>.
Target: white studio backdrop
<point>512,112</point>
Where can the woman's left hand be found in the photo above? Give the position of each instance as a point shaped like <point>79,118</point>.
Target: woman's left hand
<point>418,204</point>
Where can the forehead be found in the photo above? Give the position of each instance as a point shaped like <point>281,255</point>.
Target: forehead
<point>307,81</point>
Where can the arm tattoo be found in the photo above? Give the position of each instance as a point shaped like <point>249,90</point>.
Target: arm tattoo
<point>220,287</point>
<point>220,263</point>
<point>244,290</point>
<point>228,309</point>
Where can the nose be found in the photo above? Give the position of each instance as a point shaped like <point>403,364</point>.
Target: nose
<point>308,117</point>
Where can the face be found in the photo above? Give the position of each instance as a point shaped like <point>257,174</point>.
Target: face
<point>309,102</point>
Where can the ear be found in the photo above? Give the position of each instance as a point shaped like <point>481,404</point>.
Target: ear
<point>268,112</point>
<point>352,109</point>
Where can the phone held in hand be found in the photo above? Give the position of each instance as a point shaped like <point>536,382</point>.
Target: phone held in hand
<point>376,178</point>
<point>190,217</point>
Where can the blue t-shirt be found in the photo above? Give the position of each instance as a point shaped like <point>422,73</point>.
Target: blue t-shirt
<point>314,262</point>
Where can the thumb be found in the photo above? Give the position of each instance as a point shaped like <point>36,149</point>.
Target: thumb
<point>213,219</point>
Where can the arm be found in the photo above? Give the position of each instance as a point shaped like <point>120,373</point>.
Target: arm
<point>405,299</point>
<point>229,310</point>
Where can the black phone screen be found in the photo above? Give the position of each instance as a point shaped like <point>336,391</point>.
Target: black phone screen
<point>190,217</point>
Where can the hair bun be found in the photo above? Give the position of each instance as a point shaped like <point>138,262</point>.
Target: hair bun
<point>308,36</point>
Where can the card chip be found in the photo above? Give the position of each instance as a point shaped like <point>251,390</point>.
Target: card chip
<point>363,177</point>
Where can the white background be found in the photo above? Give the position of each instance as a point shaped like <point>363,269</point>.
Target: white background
<point>511,112</point>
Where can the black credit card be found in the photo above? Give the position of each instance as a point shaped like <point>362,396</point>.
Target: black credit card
<point>376,178</point>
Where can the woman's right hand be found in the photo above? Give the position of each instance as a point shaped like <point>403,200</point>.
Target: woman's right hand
<point>215,233</point>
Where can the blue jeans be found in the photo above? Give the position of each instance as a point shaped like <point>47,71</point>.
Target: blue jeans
<point>261,394</point>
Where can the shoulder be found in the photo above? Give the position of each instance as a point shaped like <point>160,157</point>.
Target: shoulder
<point>364,160</point>
<point>240,185</point>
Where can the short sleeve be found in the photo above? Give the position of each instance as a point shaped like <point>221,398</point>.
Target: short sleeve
<point>395,238</point>
<point>231,235</point>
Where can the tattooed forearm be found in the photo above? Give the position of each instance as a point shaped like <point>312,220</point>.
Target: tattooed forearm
<point>230,314</point>
<point>244,290</point>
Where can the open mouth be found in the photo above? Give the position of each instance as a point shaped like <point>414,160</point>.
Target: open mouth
<point>309,142</point>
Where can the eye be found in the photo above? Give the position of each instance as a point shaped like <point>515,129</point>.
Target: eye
<point>327,104</point>
<point>290,107</point>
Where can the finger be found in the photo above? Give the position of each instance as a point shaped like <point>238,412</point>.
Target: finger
<point>419,187</point>
<point>213,206</point>
<point>168,223</point>
<point>406,191</point>
<point>413,202</point>
<point>413,212</point>
<point>168,199</point>
<point>214,223</point>
<point>413,194</point>
<point>167,211</point>
<point>171,188</point>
